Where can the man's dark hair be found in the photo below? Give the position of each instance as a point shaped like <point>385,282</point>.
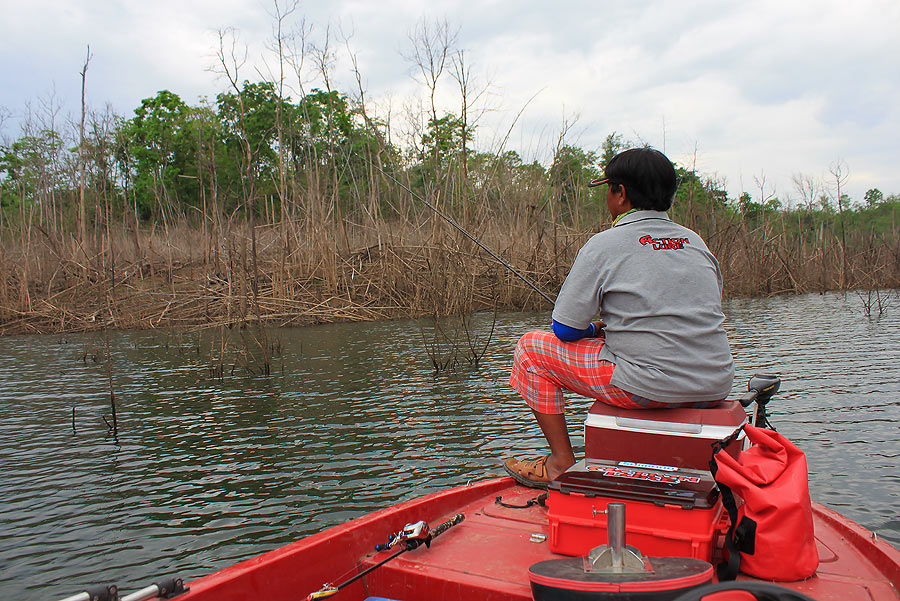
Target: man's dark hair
<point>648,175</point>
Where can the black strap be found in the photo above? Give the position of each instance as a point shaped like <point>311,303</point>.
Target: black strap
<point>728,570</point>
<point>741,537</point>
<point>721,444</point>
<point>538,500</point>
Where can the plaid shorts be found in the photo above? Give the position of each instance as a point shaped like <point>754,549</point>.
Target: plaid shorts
<point>544,366</point>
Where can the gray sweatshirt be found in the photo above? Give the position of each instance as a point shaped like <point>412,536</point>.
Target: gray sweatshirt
<point>659,289</point>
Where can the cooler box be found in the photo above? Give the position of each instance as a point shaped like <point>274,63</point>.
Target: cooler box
<point>669,511</point>
<point>676,437</point>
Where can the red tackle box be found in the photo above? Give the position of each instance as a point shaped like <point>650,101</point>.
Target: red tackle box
<point>669,511</point>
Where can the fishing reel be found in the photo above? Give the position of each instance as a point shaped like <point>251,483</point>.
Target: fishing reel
<point>760,389</point>
<point>410,536</point>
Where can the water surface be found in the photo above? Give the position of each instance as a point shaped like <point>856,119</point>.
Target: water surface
<point>204,473</point>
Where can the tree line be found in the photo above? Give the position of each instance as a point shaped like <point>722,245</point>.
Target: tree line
<point>260,206</point>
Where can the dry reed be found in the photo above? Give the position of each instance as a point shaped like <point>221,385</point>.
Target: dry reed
<point>408,264</point>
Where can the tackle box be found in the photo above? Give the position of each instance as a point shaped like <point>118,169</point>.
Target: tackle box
<point>669,511</point>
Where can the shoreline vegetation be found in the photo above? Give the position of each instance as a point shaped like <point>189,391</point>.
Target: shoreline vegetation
<point>256,208</point>
<point>277,272</point>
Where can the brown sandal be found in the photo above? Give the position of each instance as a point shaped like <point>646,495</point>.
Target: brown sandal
<point>529,472</point>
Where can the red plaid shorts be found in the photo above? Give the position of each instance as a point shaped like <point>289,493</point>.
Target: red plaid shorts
<point>544,366</point>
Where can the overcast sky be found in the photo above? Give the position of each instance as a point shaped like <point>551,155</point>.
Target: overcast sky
<point>762,90</point>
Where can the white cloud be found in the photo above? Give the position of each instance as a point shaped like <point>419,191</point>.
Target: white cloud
<point>768,87</point>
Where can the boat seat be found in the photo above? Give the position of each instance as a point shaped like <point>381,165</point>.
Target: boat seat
<point>673,437</point>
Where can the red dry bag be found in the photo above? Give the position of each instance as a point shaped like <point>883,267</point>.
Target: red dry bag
<point>771,534</point>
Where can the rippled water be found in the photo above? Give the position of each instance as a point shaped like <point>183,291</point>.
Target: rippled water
<point>205,472</point>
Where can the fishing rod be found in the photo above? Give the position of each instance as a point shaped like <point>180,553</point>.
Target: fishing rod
<point>452,222</point>
<point>411,537</point>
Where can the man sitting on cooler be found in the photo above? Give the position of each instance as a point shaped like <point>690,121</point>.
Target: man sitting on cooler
<point>659,340</point>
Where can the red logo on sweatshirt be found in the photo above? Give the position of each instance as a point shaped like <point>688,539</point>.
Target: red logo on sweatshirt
<point>664,243</point>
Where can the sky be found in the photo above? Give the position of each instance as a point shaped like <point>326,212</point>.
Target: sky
<point>750,93</point>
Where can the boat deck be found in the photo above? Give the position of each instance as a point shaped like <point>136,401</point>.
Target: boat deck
<point>487,556</point>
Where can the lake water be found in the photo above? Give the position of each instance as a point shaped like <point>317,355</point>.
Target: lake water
<point>205,472</point>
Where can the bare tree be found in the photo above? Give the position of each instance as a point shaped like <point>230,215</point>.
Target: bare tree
<point>231,59</point>
<point>557,185</point>
<point>431,47</point>
<point>277,45</point>
<point>297,48</point>
<point>81,156</point>
<point>5,114</point>
<point>691,183</point>
<point>324,58</point>
<point>471,94</point>
<point>808,187</point>
<point>841,173</point>
<point>383,141</point>
<point>764,197</point>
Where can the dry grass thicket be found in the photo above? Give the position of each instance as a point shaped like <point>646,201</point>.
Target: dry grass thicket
<point>261,210</point>
<point>396,266</point>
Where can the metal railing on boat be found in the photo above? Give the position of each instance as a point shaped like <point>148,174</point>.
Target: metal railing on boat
<point>164,589</point>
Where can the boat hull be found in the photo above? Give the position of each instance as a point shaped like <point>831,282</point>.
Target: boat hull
<point>488,556</point>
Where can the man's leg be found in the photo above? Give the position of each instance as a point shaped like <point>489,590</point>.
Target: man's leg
<point>553,425</point>
<point>543,367</point>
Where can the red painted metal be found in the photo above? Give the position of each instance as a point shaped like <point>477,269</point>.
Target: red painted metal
<point>331,556</point>
<point>488,556</point>
<point>577,525</point>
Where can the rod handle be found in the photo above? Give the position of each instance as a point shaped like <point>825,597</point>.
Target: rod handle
<point>441,528</point>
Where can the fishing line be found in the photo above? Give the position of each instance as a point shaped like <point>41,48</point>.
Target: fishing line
<point>452,222</point>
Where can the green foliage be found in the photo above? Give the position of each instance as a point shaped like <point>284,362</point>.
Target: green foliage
<point>33,164</point>
<point>873,197</point>
<point>446,138</point>
<point>33,169</point>
<point>501,178</point>
<point>612,145</point>
<point>250,144</point>
<point>247,134</point>
<point>878,219</point>
<point>327,135</point>
<point>573,168</point>
<point>158,152</point>
<point>695,197</point>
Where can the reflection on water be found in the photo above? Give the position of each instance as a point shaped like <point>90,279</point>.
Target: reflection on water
<point>205,473</point>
